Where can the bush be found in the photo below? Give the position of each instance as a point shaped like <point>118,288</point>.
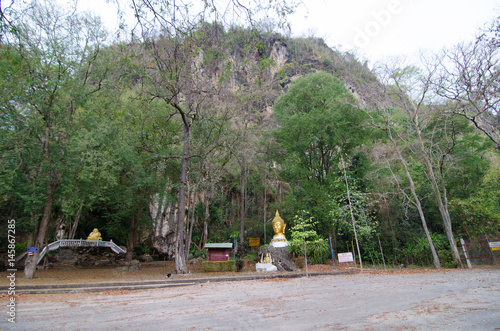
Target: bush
<point>318,251</point>
<point>240,264</point>
<point>138,250</point>
<point>219,266</point>
<point>21,247</point>
<point>196,253</point>
<point>446,259</point>
<point>251,256</point>
<point>296,247</point>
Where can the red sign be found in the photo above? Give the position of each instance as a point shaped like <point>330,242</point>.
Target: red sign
<point>218,254</point>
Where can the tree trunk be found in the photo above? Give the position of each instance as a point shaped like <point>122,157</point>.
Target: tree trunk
<point>180,260</point>
<point>191,225</point>
<point>242,204</point>
<point>72,231</point>
<point>31,261</point>
<point>443,210</point>
<point>437,264</point>
<point>132,235</point>
<point>265,210</point>
<point>208,198</point>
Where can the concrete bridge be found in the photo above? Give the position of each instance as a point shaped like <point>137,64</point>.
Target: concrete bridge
<point>73,243</point>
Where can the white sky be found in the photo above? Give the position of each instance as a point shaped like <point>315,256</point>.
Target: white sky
<point>376,29</point>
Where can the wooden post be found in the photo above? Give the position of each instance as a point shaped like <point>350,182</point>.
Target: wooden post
<point>381,251</point>
<point>491,250</point>
<point>465,253</point>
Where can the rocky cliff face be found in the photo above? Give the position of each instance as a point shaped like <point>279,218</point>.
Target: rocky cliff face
<point>262,68</point>
<point>277,61</point>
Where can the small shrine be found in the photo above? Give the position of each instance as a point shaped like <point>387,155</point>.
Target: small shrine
<point>219,251</point>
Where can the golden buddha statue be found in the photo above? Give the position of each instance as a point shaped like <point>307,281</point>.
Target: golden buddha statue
<point>94,235</point>
<point>279,239</point>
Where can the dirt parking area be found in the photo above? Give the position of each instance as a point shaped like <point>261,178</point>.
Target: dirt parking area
<point>372,300</point>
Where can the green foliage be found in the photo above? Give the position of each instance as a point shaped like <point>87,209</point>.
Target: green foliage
<point>219,266</point>
<point>251,256</point>
<point>196,253</point>
<point>305,240</point>
<point>318,122</point>
<point>318,251</point>
<point>141,250</point>
<point>417,251</point>
<point>21,247</point>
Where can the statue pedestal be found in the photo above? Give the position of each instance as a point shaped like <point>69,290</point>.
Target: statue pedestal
<point>279,241</point>
<point>281,257</point>
<point>279,244</point>
<point>265,267</point>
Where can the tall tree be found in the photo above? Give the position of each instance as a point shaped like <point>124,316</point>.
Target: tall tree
<point>408,84</point>
<point>469,75</point>
<point>318,121</point>
<point>53,54</point>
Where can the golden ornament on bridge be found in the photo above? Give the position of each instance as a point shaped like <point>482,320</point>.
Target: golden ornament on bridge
<point>94,235</point>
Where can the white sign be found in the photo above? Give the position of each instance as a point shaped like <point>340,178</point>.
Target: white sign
<point>495,246</point>
<point>345,257</point>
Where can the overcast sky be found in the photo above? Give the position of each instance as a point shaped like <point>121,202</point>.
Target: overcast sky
<point>380,28</point>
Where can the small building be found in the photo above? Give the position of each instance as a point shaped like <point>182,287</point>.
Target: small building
<point>219,251</point>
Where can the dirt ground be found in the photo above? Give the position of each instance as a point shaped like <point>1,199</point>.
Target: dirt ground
<point>414,299</point>
<point>158,270</point>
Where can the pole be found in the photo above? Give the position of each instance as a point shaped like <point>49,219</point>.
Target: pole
<point>234,250</point>
<point>305,249</point>
<point>265,210</point>
<point>491,250</point>
<point>352,215</point>
<point>465,253</point>
<point>333,258</point>
<point>381,251</point>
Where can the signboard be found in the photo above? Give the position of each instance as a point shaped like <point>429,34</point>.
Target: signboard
<point>345,257</point>
<point>254,242</point>
<point>32,249</point>
<point>495,246</point>
<point>218,254</point>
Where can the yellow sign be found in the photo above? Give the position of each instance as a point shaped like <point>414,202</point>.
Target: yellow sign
<point>254,242</point>
<point>495,246</point>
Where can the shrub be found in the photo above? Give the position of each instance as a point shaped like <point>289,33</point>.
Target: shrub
<point>251,256</point>
<point>318,251</point>
<point>138,250</point>
<point>196,253</point>
<point>219,266</point>
<point>21,247</point>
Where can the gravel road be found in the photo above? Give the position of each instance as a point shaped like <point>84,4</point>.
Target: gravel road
<point>452,300</point>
